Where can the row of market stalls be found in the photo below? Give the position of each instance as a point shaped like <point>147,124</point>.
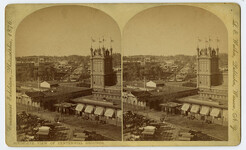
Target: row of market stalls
<point>207,113</point>
<point>204,109</point>
<point>100,111</point>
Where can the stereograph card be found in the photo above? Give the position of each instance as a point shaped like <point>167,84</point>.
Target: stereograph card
<point>149,74</point>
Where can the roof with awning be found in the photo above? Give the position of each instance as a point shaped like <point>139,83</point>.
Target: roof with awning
<point>185,107</point>
<point>215,112</point>
<point>204,110</point>
<point>195,108</point>
<point>79,107</point>
<point>99,111</point>
<point>109,112</point>
<point>64,105</point>
<point>89,109</point>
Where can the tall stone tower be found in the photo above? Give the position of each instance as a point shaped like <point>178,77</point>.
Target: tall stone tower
<point>101,68</point>
<point>208,73</point>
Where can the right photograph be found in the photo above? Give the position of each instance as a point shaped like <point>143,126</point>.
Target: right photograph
<point>175,75</point>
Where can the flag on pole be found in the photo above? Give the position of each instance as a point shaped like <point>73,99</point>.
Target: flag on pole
<point>217,40</point>
<point>93,40</point>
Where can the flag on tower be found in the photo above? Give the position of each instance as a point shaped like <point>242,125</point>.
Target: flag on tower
<point>93,40</point>
<point>99,41</point>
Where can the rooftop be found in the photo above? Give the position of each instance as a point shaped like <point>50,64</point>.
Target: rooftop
<point>171,90</point>
<point>158,81</point>
<point>196,99</point>
<point>35,94</point>
<point>64,90</point>
<point>93,101</point>
<point>51,82</point>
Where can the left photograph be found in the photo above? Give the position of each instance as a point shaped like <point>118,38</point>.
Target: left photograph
<point>68,76</point>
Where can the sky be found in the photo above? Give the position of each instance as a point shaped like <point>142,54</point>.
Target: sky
<point>172,30</point>
<point>65,30</point>
<point>162,30</point>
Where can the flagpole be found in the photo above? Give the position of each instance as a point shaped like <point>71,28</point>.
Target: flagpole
<point>197,42</point>
<point>103,41</point>
<point>99,42</point>
<point>217,42</point>
<point>110,42</point>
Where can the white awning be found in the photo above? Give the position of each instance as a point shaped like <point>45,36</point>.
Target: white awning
<point>185,107</point>
<point>119,113</point>
<point>79,107</point>
<point>204,110</point>
<point>99,111</point>
<point>44,130</point>
<point>89,109</point>
<point>215,112</point>
<point>195,108</point>
<point>149,128</point>
<point>109,112</point>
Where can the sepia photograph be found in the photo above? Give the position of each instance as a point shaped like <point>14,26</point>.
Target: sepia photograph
<point>121,74</point>
<point>68,76</point>
<point>175,76</point>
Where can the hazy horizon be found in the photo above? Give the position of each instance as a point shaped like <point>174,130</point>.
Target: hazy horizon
<point>164,55</point>
<point>57,56</point>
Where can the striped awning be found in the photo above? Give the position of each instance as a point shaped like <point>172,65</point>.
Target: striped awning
<point>99,111</point>
<point>195,108</point>
<point>89,109</point>
<point>79,107</point>
<point>185,107</point>
<point>215,112</point>
<point>109,112</point>
<point>204,110</point>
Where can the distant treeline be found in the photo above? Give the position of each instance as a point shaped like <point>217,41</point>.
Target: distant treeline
<point>71,59</point>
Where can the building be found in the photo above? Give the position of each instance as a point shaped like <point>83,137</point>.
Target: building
<point>101,102</point>
<point>155,99</point>
<point>49,84</point>
<point>211,103</point>
<point>155,84</point>
<point>104,104</point>
<point>105,82</point>
<point>101,68</point>
<point>133,98</point>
